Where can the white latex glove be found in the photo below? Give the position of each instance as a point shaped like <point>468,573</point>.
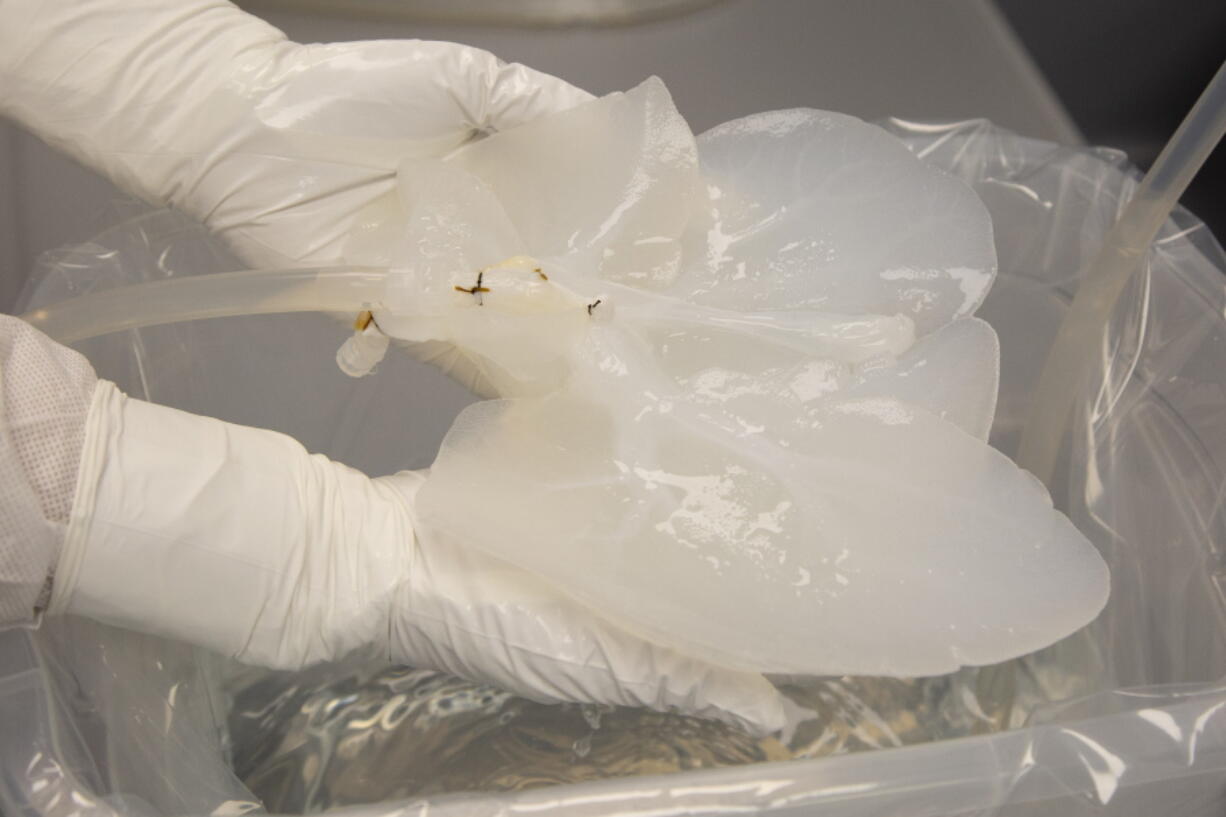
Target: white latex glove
<point>281,148</point>
<point>235,538</point>
<point>287,151</point>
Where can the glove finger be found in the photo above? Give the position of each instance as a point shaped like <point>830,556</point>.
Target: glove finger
<point>663,679</point>
<point>502,95</point>
<point>475,616</point>
<point>553,652</point>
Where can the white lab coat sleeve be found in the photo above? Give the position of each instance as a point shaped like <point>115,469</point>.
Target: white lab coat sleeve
<point>45,392</point>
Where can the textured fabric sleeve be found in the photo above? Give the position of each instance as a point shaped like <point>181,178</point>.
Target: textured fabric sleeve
<point>45,392</point>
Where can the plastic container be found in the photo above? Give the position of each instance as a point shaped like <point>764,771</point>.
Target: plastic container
<point>1127,717</point>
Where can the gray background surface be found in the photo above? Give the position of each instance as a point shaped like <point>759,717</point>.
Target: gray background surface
<point>1128,71</point>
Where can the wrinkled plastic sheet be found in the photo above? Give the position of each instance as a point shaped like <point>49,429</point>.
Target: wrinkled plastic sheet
<point>1126,717</point>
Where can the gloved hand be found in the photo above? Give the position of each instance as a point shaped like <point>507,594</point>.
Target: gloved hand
<point>283,149</point>
<point>287,151</point>
<point>235,538</point>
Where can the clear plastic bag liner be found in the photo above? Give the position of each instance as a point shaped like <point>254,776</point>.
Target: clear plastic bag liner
<point>1128,716</point>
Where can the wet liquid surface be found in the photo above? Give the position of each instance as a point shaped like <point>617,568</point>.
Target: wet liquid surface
<point>338,736</point>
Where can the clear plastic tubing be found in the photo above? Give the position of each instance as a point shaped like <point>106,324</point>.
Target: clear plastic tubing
<point>254,292</point>
<point>1123,250</point>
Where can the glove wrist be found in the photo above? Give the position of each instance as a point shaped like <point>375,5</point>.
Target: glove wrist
<point>229,537</point>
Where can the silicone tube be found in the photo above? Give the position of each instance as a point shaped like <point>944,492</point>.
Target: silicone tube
<point>1122,253</point>
<point>252,292</point>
